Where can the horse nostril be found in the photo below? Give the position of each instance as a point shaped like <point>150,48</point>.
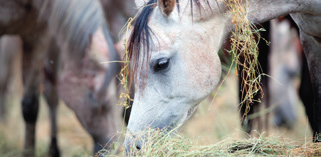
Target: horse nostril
<point>131,143</point>
<point>139,145</point>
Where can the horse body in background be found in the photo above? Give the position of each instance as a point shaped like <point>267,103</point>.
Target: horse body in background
<point>175,66</point>
<point>117,14</point>
<point>73,33</point>
<point>285,65</point>
<point>281,60</point>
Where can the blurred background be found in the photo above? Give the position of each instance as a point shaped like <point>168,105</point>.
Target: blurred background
<point>216,118</point>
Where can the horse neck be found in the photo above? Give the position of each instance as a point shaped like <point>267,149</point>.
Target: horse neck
<point>72,23</point>
<point>257,11</point>
<point>260,11</point>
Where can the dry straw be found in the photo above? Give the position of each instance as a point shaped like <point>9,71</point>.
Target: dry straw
<point>244,49</point>
<point>171,144</point>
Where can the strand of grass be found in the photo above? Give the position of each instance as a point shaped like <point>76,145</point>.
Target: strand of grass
<point>261,112</point>
<point>256,143</point>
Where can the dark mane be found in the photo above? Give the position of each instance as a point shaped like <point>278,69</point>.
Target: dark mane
<point>141,34</point>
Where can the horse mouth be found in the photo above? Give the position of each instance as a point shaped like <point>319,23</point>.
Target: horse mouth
<point>191,111</point>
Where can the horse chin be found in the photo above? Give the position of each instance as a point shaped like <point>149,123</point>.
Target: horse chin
<point>137,140</point>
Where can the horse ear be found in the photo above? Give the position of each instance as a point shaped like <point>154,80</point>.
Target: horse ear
<point>140,3</point>
<point>166,6</point>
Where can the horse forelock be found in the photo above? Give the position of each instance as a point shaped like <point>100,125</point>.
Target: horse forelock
<point>141,35</point>
<point>73,23</point>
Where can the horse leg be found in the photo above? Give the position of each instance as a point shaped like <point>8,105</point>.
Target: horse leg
<point>312,47</point>
<point>305,92</point>
<point>32,64</point>
<point>266,90</point>
<point>30,107</point>
<point>4,76</point>
<point>51,94</point>
<point>10,46</point>
<point>30,102</point>
<point>263,59</point>
<point>3,89</point>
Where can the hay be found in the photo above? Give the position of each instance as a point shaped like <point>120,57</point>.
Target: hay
<point>172,144</point>
<point>244,44</point>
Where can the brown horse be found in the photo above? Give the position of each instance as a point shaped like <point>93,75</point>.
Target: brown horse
<point>78,30</point>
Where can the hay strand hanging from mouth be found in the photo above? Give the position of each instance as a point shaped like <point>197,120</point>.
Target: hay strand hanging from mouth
<point>245,46</point>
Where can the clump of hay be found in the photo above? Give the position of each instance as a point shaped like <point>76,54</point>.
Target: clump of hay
<point>171,144</point>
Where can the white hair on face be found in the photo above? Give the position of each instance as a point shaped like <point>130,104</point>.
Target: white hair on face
<point>140,3</point>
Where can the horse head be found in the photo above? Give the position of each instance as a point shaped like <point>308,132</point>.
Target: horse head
<point>175,63</point>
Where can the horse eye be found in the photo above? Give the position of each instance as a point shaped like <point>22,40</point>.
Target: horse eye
<point>161,64</point>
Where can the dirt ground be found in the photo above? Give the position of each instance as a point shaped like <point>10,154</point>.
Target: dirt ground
<point>211,123</point>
